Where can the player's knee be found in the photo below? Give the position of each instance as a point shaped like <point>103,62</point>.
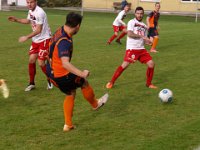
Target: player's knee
<point>151,64</point>
<point>32,61</point>
<point>124,30</point>
<point>116,34</point>
<point>85,83</point>
<point>41,63</point>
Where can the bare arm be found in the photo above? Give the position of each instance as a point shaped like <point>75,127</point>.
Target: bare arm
<point>22,21</point>
<point>147,20</point>
<point>131,34</point>
<point>37,31</point>
<point>71,68</point>
<point>122,22</point>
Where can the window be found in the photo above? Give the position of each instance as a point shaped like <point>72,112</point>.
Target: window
<point>150,0</point>
<point>190,0</point>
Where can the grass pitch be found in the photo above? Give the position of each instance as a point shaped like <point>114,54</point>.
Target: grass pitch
<point>133,118</point>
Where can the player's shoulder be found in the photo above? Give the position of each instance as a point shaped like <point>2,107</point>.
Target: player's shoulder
<point>151,13</point>
<point>122,12</point>
<point>39,11</point>
<point>132,20</point>
<point>64,41</point>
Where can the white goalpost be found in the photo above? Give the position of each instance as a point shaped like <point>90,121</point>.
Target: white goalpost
<point>0,4</point>
<point>197,10</point>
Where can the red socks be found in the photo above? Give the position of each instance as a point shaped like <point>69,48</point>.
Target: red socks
<point>117,74</point>
<point>149,76</point>
<point>32,72</point>
<point>121,35</point>
<point>112,38</point>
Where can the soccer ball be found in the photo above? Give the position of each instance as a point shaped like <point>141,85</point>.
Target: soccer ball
<point>165,95</point>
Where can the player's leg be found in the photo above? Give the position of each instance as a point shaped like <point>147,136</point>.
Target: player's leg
<point>145,57</point>
<point>149,74</point>
<point>116,30</point>
<point>42,56</point>
<point>89,95</point>
<point>124,32</point>
<point>32,72</point>
<point>68,106</point>
<point>67,86</point>
<point>154,35</point>
<point>117,73</point>
<point>128,58</point>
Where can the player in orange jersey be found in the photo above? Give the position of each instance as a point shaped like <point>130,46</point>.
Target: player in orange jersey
<point>119,25</point>
<point>152,23</point>
<point>40,36</point>
<point>64,74</point>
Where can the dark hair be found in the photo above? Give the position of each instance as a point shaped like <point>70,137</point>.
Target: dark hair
<point>139,8</point>
<point>157,3</point>
<point>73,19</point>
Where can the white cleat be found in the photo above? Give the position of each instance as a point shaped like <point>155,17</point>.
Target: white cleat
<point>49,86</point>
<point>4,88</point>
<point>102,101</point>
<point>29,87</point>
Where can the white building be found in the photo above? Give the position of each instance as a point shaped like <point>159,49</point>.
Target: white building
<point>17,2</point>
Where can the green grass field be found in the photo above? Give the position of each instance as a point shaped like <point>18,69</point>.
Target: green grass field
<point>133,119</point>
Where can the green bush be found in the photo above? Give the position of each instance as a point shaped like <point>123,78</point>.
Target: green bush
<point>41,2</point>
<point>63,3</point>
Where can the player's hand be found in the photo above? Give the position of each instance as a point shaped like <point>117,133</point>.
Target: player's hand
<point>12,18</point>
<point>86,73</point>
<point>147,41</point>
<point>158,28</point>
<point>23,39</point>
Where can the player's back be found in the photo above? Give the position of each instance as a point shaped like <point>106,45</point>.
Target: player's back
<point>55,54</point>
<point>120,16</point>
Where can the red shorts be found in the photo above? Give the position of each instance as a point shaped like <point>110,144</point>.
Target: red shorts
<point>132,55</point>
<point>42,49</point>
<point>118,28</point>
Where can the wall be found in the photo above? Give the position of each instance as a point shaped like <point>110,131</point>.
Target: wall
<point>19,2</point>
<point>166,5</point>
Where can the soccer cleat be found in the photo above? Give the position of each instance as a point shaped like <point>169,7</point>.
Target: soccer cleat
<point>4,88</point>
<point>49,85</point>
<point>109,85</point>
<point>153,51</point>
<point>108,43</point>
<point>151,86</point>
<point>66,128</point>
<point>102,101</point>
<point>118,41</point>
<point>29,87</point>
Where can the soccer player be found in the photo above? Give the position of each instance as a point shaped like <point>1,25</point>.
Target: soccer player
<point>119,25</point>
<point>152,24</point>
<point>40,35</point>
<point>136,38</point>
<point>124,3</point>
<point>64,74</point>
<point>4,89</point>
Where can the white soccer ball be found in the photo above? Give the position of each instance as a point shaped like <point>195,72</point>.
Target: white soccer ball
<point>165,95</point>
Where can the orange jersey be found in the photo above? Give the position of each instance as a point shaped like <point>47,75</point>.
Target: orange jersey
<point>153,19</point>
<point>61,45</point>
